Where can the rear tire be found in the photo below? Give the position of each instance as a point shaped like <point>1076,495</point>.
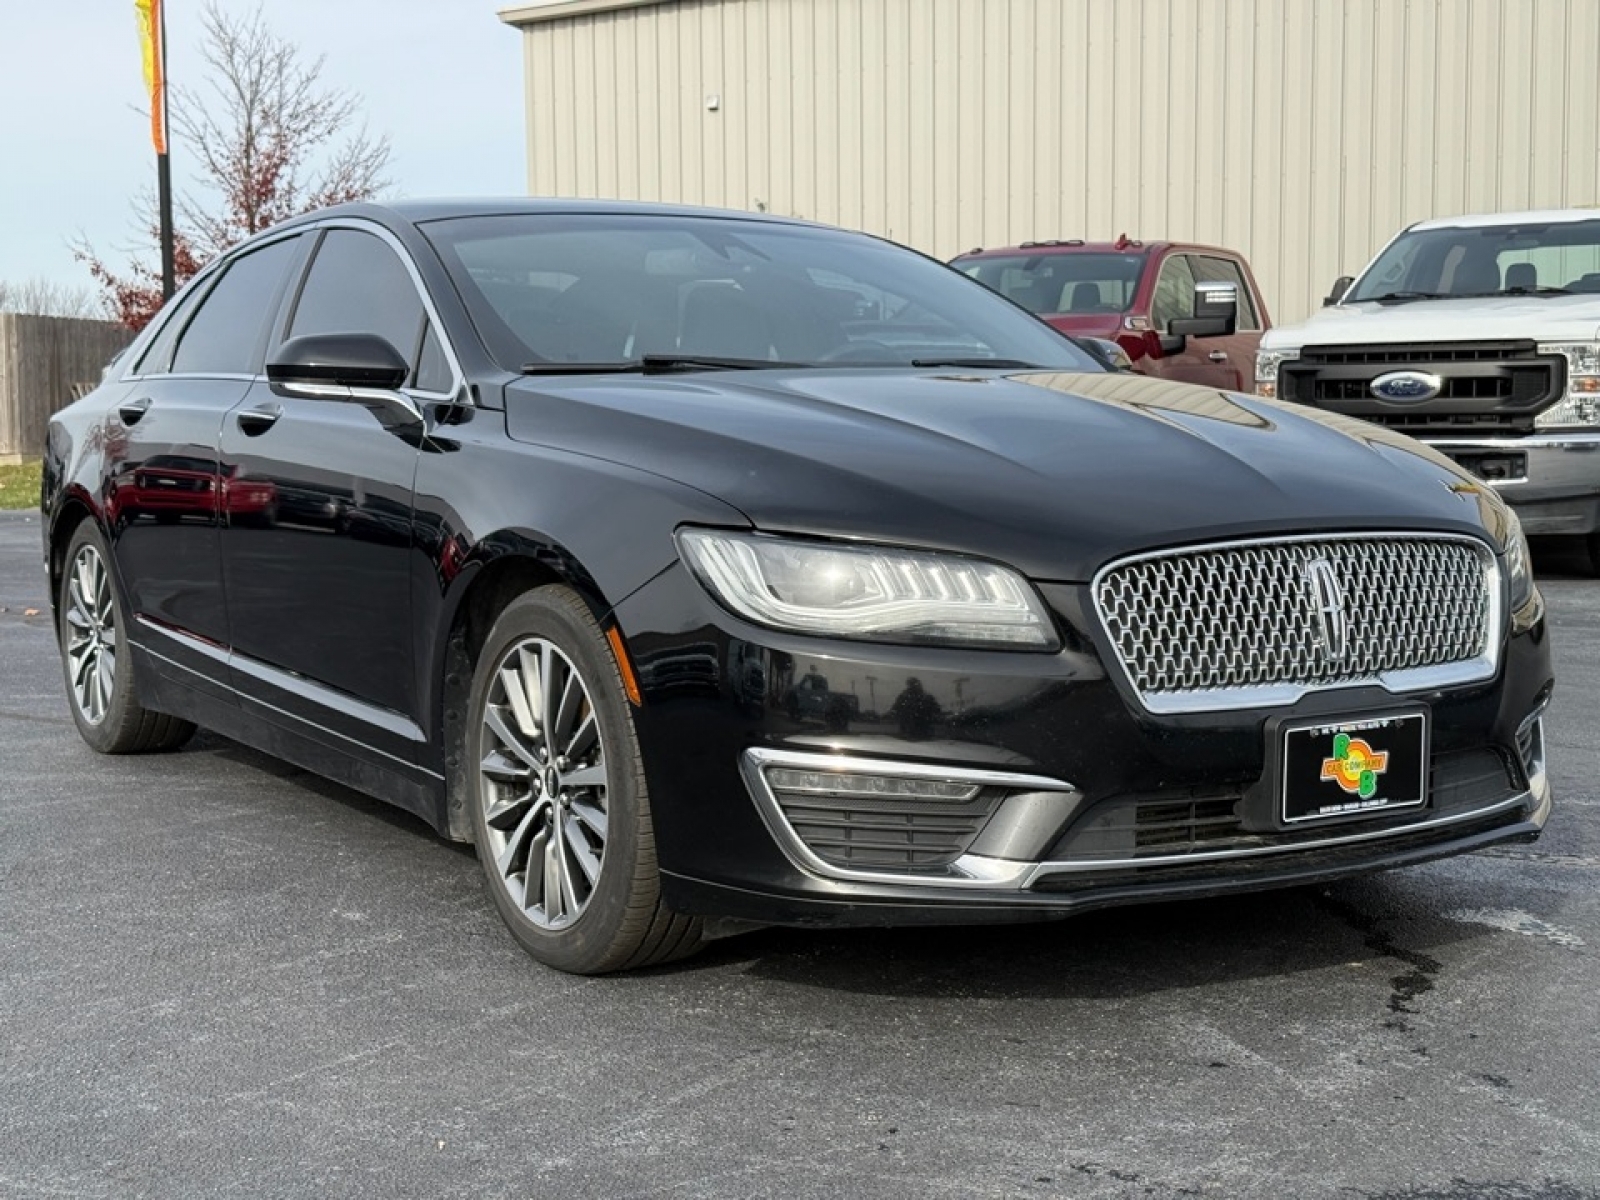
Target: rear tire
<point>560,811</point>
<point>102,689</point>
<point>1591,544</point>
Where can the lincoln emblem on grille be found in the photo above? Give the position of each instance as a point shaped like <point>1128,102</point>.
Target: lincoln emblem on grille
<point>1327,601</point>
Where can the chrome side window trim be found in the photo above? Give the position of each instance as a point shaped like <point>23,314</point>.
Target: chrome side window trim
<point>457,375</point>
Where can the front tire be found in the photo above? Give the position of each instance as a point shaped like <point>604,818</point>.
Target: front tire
<point>102,690</point>
<point>560,811</point>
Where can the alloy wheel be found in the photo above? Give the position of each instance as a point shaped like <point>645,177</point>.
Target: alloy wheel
<point>91,628</point>
<point>542,783</point>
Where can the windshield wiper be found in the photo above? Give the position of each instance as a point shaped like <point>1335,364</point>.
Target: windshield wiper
<point>653,364</point>
<point>1405,297</point>
<point>1005,364</point>
<point>1538,290</point>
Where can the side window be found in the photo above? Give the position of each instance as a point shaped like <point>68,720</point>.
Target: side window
<point>226,335</point>
<point>358,284</point>
<point>1174,298</point>
<point>1225,270</point>
<point>157,356</point>
<point>433,369</point>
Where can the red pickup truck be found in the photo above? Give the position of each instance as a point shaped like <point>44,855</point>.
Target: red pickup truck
<point>1131,293</point>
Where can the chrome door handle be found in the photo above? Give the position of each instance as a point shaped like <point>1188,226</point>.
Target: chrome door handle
<point>1218,356</point>
<point>256,421</point>
<point>132,410</point>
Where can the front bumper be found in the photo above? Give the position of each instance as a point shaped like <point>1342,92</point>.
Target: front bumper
<point>1074,797</point>
<point>1552,479</point>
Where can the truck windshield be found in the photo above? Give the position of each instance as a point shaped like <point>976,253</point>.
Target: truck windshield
<point>1061,283</point>
<point>1552,258</point>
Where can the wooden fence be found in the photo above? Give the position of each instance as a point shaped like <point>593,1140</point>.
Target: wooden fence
<point>45,362</point>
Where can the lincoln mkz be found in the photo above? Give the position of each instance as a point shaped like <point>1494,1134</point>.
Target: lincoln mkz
<point>707,569</point>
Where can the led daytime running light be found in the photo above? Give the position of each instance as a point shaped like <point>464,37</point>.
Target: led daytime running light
<point>871,592</point>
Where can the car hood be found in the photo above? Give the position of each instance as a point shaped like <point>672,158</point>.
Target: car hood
<point>1052,473</point>
<point>1574,318</point>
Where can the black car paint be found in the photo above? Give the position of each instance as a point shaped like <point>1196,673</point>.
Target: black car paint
<point>335,648</point>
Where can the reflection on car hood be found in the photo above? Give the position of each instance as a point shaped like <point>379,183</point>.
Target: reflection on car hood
<point>1052,473</point>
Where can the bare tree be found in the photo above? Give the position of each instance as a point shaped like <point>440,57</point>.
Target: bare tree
<point>41,298</point>
<point>269,139</point>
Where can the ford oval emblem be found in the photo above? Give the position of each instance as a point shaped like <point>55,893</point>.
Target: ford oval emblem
<point>1406,387</point>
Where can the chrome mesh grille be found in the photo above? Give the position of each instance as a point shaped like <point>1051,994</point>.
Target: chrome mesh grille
<point>1248,621</point>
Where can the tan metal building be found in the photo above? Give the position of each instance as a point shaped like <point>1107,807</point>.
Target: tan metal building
<point>1301,132</point>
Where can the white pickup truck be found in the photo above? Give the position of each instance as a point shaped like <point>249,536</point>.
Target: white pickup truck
<point>1479,335</point>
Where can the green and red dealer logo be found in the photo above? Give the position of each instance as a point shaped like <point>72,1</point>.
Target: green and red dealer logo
<point>1355,766</point>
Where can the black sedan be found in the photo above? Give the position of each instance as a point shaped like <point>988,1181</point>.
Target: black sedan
<point>707,569</point>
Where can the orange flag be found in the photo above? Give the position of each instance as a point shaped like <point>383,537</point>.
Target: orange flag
<point>155,68</point>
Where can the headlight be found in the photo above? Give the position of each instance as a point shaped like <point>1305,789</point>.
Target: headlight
<point>1267,364</point>
<point>873,592</point>
<point>1519,569</point>
<point>1581,404</point>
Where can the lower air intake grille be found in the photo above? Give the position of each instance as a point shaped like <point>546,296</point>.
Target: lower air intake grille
<point>904,833</point>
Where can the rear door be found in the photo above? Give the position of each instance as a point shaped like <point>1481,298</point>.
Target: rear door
<point>163,489</point>
<point>318,571</point>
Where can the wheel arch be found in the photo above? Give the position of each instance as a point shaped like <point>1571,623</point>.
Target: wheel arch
<point>502,566</point>
<point>73,510</point>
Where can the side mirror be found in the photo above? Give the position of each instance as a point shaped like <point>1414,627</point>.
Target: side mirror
<point>1216,312</point>
<point>1106,352</point>
<point>1336,293</point>
<point>345,366</point>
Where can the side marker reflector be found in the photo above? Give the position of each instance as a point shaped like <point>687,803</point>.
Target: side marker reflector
<point>629,683</point>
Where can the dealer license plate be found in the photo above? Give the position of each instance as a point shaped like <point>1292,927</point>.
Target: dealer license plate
<point>1348,768</point>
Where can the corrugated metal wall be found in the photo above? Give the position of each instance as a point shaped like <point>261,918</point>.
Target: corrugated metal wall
<point>1302,132</point>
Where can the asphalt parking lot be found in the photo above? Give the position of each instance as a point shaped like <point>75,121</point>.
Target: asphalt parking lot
<point>220,976</point>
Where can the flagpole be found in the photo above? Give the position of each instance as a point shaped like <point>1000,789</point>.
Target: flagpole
<point>164,167</point>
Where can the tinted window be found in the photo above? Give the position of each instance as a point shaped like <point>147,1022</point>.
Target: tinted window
<point>1174,299</point>
<point>1062,283</point>
<point>226,335</point>
<point>158,354</point>
<point>433,370</point>
<point>610,289</point>
<point>358,284</point>
<point>1223,270</point>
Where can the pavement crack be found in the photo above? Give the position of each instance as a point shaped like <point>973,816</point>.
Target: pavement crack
<point>1407,986</point>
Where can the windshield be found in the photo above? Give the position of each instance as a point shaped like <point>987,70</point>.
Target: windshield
<point>1061,283</point>
<point>613,289</point>
<point>1531,259</point>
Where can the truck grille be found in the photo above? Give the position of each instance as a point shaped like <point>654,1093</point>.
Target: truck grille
<point>1252,624</point>
<point>1486,387</point>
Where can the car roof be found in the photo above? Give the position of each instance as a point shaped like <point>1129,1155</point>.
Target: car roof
<point>1537,216</point>
<point>1075,246</point>
<point>419,212</point>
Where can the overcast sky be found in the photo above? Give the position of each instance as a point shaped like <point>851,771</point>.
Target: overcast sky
<point>443,78</point>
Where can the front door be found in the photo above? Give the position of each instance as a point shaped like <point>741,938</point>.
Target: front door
<point>317,562</point>
<point>1202,361</point>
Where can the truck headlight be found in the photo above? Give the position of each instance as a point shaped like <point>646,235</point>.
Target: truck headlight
<point>877,593</point>
<point>1267,364</point>
<point>1581,403</point>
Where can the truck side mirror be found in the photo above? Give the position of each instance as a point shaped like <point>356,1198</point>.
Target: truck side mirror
<point>1336,293</point>
<point>1216,312</point>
